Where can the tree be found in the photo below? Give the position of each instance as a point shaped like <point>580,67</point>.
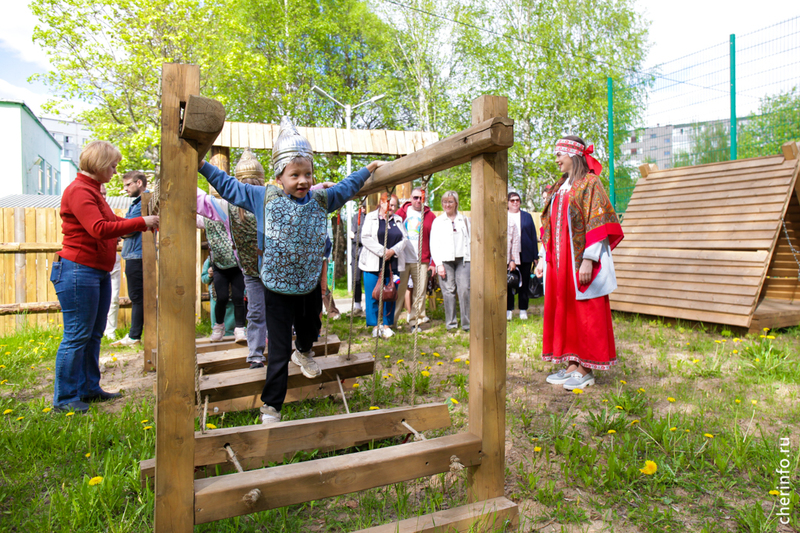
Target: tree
<point>777,121</point>
<point>710,143</point>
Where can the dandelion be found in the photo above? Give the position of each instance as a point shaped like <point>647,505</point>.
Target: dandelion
<point>427,367</point>
<point>736,351</point>
<point>687,344</point>
<point>718,342</point>
<point>356,385</point>
<point>671,399</point>
<point>695,361</point>
<point>8,411</point>
<point>737,339</point>
<point>765,329</point>
<point>426,373</point>
<point>435,354</point>
<point>8,353</point>
<point>649,468</point>
<point>33,366</point>
<point>537,449</point>
<point>611,431</point>
<point>47,409</point>
<point>145,421</point>
<point>762,336</point>
<point>605,401</point>
<point>634,422</point>
<point>48,368</point>
<point>3,382</point>
<point>385,376</point>
<point>623,382</point>
<point>88,454</point>
<point>457,360</point>
<point>687,431</point>
<point>754,402</point>
<point>72,413</point>
<point>439,363</point>
<point>211,426</point>
<point>95,480</point>
<point>758,360</point>
<point>619,407</point>
<point>386,356</point>
<point>774,492</point>
<point>114,359</point>
<point>708,435</point>
<point>737,400</point>
<point>2,366</point>
<point>455,402</point>
<point>771,337</point>
<point>147,427</point>
<point>467,362</point>
<point>673,428</point>
<point>373,408</point>
<point>577,391</point>
<point>400,361</point>
<point>422,353</point>
<point>20,418</point>
<point>640,389</point>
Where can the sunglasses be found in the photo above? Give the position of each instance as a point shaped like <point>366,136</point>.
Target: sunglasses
<point>416,197</point>
<point>514,200</point>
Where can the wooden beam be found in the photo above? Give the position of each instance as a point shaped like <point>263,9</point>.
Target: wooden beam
<point>236,358</point>
<point>647,169</point>
<point>496,514</point>
<point>150,294</point>
<point>487,375</point>
<point>202,123</point>
<point>278,442</point>
<point>495,134</point>
<point>221,497</point>
<point>319,390</point>
<point>790,150</point>
<point>175,406</point>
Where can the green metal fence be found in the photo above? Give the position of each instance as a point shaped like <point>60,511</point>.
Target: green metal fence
<point>736,99</point>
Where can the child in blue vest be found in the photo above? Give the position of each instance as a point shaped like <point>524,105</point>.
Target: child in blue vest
<point>292,229</point>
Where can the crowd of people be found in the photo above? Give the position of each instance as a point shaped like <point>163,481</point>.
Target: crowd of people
<point>269,245</point>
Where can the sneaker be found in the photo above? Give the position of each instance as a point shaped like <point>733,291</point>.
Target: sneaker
<point>374,332</point>
<point>336,316</point>
<point>217,332</point>
<point>269,415</point>
<point>125,341</point>
<point>72,407</point>
<point>357,310</point>
<point>256,364</point>
<point>423,320</point>
<point>306,362</point>
<point>387,332</point>
<point>523,315</point>
<point>509,315</point>
<point>577,381</point>
<point>101,396</point>
<point>239,336</point>
<point>559,378</point>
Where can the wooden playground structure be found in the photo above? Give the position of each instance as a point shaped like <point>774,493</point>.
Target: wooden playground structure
<point>714,243</point>
<point>183,501</point>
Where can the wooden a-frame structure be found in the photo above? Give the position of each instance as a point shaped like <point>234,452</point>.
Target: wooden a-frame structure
<point>709,243</point>
<point>182,501</point>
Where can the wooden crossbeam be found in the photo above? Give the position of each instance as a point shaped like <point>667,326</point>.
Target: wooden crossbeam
<point>495,514</point>
<point>224,356</point>
<point>489,136</point>
<point>246,382</point>
<point>221,497</point>
<point>319,390</point>
<point>277,442</point>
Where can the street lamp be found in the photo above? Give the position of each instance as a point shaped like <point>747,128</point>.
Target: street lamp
<point>348,112</point>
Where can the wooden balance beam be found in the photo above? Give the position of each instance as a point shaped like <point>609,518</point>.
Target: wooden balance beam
<point>235,357</point>
<point>255,446</point>
<point>246,382</point>
<point>292,395</point>
<point>222,496</point>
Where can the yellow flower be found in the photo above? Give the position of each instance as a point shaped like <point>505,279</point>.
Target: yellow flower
<point>718,342</point>
<point>211,426</point>
<point>577,391</point>
<point>671,399</point>
<point>33,366</point>
<point>611,431</point>
<point>605,401</point>
<point>2,366</point>
<point>70,414</point>
<point>427,367</point>
<point>457,360</point>
<point>455,402</point>
<point>113,359</point>
<point>770,336</point>
<point>640,389</point>
<point>754,402</point>
<point>386,356</point>
<point>20,418</point>
<point>356,385</point>
<point>673,428</point>
<point>634,422</point>
<point>147,427</point>
<point>3,382</point>
<point>623,382</point>
<point>423,353</point>
<point>620,407</point>
<point>708,435</point>
<point>8,353</point>
<point>687,431</point>
<point>426,373</point>
<point>695,361</point>
<point>47,409</point>
<point>467,361</point>
<point>439,363</point>
<point>399,361</point>
<point>435,354</point>
<point>736,351</point>
<point>737,400</point>
<point>95,480</point>
<point>649,468</point>
<point>537,449</point>
<point>736,339</point>
<point>765,329</point>
<point>145,421</point>
<point>762,336</point>
<point>758,360</point>
<point>8,411</point>
<point>774,492</point>
<point>385,376</point>
<point>88,454</point>
<point>48,368</point>
<point>373,408</point>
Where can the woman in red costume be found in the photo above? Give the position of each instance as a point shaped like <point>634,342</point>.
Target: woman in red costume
<point>579,230</point>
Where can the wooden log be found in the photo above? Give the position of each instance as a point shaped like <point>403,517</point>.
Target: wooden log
<point>487,376</point>
<point>175,399</point>
<point>494,134</point>
<point>236,358</point>
<point>278,442</point>
<point>790,150</point>
<point>202,123</point>
<point>221,497</point>
<point>150,292</point>
<point>239,383</point>
<point>496,514</point>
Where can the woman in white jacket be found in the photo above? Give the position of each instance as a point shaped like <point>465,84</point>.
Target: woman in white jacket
<point>450,239</point>
<point>373,254</point>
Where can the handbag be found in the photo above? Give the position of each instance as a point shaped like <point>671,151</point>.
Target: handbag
<point>535,287</point>
<point>389,290</point>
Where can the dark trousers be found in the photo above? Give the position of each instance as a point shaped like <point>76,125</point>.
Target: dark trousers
<point>234,278</point>
<point>525,273</point>
<point>284,311</point>
<point>133,272</point>
<point>357,286</point>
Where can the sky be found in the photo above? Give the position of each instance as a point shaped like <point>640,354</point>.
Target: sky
<point>678,28</point>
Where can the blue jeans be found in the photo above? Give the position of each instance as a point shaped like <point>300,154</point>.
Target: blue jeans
<point>85,296</point>
<point>256,319</point>
<point>370,279</point>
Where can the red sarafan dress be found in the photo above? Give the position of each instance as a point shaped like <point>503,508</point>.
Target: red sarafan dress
<point>578,330</point>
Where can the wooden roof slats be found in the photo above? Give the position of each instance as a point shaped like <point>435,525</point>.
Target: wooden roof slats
<point>707,243</point>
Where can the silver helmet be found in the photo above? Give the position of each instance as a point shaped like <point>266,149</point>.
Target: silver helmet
<point>249,167</point>
<point>288,145</point>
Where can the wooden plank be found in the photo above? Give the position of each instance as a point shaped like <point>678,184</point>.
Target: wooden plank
<point>698,202</point>
<point>255,136</point>
<point>677,291</point>
<point>699,219</point>
<point>790,150</point>
<point>20,270</point>
<point>750,291</point>
<point>201,122</point>
<point>733,267</point>
<point>42,280</point>
<point>493,515</point>
<point>149,295</point>
<point>175,409</point>
<point>297,394</point>
<point>6,278</point>
<point>712,198</point>
<point>713,255</point>
<point>278,442</point>
<point>746,244</point>
<point>53,223</point>
<point>236,358</point>
<point>221,497</point>
<point>30,262</point>
<point>773,207</point>
<point>246,382</point>
<point>715,179</point>
<point>683,313</point>
<point>487,336</point>
<point>753,162</point>
<point>379,141</point>
<point>655,272</point>
<point>235,135</point>
<point>489,136</point>
<point>341,141</point>
<point>713,232</point>
<point>742,310</point>
<point>391,142</point>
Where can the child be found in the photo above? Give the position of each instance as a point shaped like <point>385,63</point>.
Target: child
<point>292,228</point>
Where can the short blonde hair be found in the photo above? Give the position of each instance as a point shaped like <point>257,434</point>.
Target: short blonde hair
<point>451,194</point>
<point>99,155</point>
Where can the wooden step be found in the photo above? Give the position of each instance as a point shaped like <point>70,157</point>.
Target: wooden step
<point>246,382</point>
<point>236,358</point>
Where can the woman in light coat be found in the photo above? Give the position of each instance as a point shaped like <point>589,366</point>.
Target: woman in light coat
<point>450,241</point>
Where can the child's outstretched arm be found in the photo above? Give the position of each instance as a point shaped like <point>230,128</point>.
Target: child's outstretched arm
<point>346,189</point>
<point>246,196</point>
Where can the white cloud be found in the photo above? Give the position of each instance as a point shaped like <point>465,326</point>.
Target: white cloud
<point>16,29</point>
<point>33,99</point>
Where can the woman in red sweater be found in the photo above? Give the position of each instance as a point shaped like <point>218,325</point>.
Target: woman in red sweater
<point>81,276</point>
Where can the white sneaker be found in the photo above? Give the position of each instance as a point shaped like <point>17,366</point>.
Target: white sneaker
<point>387,332</point>
<point>578,381</point>
<point>269,415</point>
<point>523,315</point>
<point>374,332</point>
<point>217,332</point>
<point>306,362</point>
<point>125,341</point>
<point>239,336</point>
<point>509,315</point>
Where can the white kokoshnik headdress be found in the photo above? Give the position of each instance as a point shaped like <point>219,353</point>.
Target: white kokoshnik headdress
<point>288,145</point>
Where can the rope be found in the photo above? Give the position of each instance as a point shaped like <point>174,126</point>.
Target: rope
<point>233,458</point>
<point>205,415</point>
<point>417,435</point>
<point>795,252</point>
<point>455,464</point>
<point>197,374</point>
<point>418,285</point>
<point>254,495</point>
<point>341,390</point>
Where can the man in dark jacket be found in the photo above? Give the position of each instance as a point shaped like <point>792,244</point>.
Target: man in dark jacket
<point>529,253</point>
<point>418,220</point>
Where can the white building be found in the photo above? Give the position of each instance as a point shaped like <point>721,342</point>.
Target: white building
<point>650,145</point>
<point>72,136</point>
<point>32,156</point>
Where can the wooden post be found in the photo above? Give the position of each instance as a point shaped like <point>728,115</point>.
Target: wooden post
<point>175,410</point>
<point>20,281</point>
<point>150,285</point>
<point>198,280</point>
<point>487,375</point>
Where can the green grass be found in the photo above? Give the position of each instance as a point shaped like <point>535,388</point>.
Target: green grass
<point>707,407</point>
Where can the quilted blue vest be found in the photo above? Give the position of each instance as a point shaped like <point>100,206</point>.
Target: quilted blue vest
<point>294,241</point>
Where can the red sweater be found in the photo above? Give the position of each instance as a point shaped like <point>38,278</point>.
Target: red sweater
<point>90,227</point>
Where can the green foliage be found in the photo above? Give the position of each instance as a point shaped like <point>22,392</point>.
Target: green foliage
<point>777,121</point>
<point>710,143</point>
